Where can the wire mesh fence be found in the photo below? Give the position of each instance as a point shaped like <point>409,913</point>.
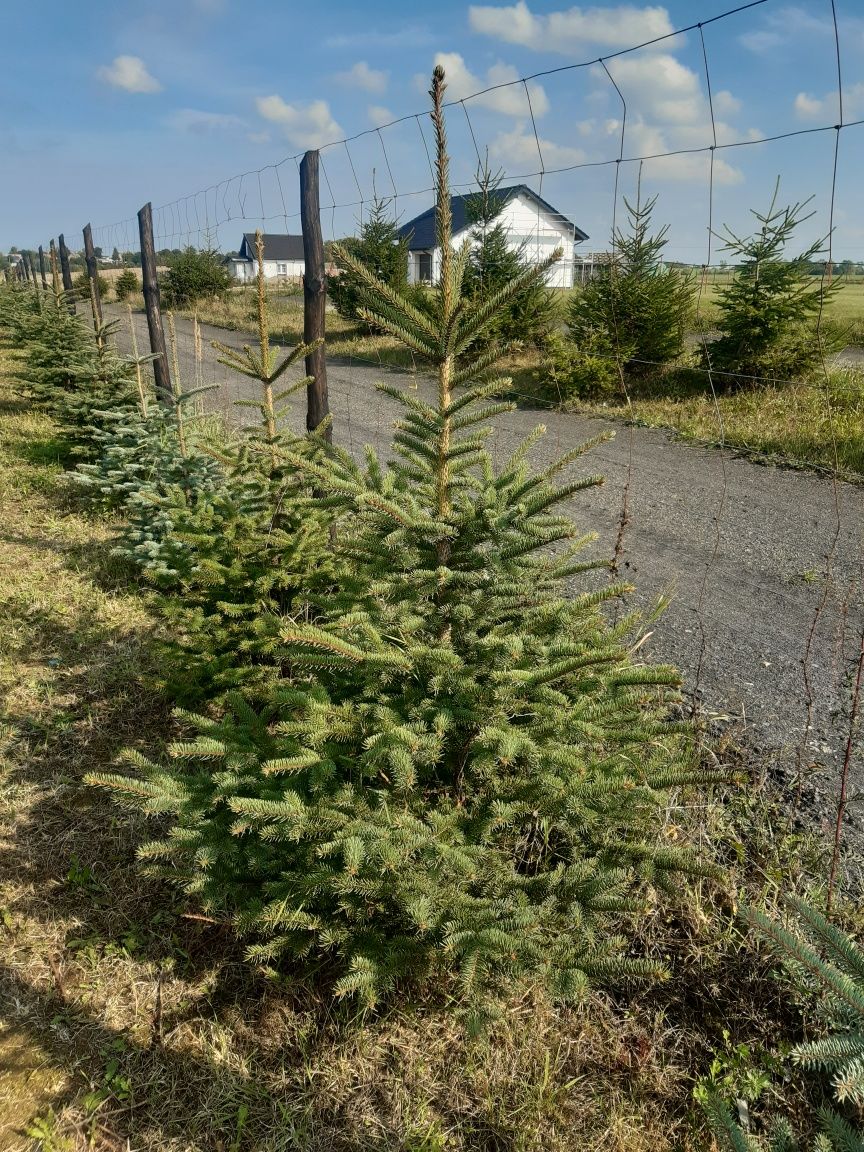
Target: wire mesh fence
<point>763,566</point>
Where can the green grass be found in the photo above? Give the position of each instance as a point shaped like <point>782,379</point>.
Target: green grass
<point>804,425</point>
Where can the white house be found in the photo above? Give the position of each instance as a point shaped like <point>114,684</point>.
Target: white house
<point>532,225</point>
<point>283,258</point>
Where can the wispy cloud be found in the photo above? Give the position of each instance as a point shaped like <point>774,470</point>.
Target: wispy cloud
<point>197,121</point>
<point>410,36</point>
<point>362,76</point>
<point>304,125</point>
<point>379,115</point>
<point>130,74</point>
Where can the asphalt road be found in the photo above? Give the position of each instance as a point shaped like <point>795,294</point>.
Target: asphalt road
<point>743,550</point>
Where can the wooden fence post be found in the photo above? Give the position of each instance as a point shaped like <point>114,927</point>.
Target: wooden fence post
<point>93,276</point>
<point>67,274</point>
<point>161,374</point>
<point>55,278</point>
<point>42,268</point>
<point>314,294</point>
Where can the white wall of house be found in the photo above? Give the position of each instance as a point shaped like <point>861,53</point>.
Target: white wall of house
<point>273,269</point>
<point>526,224</point>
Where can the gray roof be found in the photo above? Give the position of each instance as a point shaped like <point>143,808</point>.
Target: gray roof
<point>276,246</point>
<point>421,230</point>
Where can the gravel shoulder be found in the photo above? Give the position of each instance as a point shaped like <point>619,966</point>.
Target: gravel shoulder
<point>742,549</point>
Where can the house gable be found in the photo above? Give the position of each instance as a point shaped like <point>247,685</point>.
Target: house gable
<point>421,230</point>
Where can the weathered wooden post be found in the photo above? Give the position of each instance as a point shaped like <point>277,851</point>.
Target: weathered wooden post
<point>93,277</point>
<point>55,276</point>
<point>42,268</point>
<point>314,294</point>
<point>161,374</point>
<point>67,274</point>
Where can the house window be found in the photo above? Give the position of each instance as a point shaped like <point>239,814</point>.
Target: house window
<point>281,269</point>
<point>424,267</point>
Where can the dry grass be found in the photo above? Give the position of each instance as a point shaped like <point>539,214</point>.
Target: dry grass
<point>126,1018</point>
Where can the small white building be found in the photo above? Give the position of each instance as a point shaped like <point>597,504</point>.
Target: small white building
<point>283,258</point>
<point>531,223</point>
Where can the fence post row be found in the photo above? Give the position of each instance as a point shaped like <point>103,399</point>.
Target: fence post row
<point>314,294</point>
<point>67,274</point>
<point>42,267</point>
<point>161,373</point>
<point>93,277</point>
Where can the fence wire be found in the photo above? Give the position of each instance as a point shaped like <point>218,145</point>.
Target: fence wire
<point>712,528</point>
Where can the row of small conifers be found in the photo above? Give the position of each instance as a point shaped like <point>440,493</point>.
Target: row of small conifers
<point>416,754</point>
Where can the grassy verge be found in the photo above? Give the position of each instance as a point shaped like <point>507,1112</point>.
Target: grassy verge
<point>124,1017</point>
<point>804,425</point>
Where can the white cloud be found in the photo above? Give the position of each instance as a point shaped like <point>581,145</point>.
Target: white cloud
<point>197,121</point>
<point>827,108</point>
<point>259,137</point>
<point>571,31</point>
<point>807,107</point>
<point>760,42</point>
<point>725,103</point>
<point>661,87</point>
<point>510,101</point>
<point>129,73</point>
<point>304,125</point>
<point>518,149</point>
<point>644,139</point>
<point>379,115</point>
<point>362,76</point>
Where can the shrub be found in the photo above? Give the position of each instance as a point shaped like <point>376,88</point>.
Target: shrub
<point>194,274</point>
<point>572,372</point>
<point>822,960</point>
<point>635,311</point>
<point>81,286</point>
<point>767,314</point>
<point>463,775</point>
<point>126,285</point>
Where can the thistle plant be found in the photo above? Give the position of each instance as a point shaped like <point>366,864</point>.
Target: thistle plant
<point>461,773</point>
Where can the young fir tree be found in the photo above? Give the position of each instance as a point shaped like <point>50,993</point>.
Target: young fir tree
<point>827,964</point>
<point>494,262</point>
<point>252,543</point>
<point>381,249</point>
<point>150,458</point>
<point>767,315</point>
<point>464,774</point>
<point>635,310</point>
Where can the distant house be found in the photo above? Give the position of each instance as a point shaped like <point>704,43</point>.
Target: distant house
<point>283,258</point>
<point>531,223</point>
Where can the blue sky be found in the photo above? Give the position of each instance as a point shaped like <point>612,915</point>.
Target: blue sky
<point>103,106</point>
